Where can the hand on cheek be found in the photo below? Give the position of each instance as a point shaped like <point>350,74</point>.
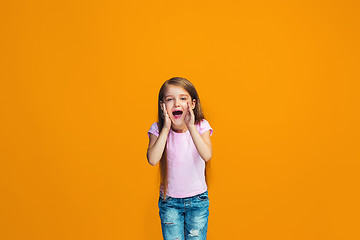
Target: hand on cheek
<point>189,117</point>
<point>167,121</point>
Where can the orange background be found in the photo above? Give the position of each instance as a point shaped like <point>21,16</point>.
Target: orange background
<point>279,83</point>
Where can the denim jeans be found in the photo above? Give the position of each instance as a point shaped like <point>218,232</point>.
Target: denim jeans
<point>184,218</point>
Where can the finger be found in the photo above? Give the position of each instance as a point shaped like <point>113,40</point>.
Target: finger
<point>188,113</point>
<point>165,111</point>
<point>190,109</point>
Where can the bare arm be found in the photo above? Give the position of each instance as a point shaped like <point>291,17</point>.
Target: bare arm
<point>202,143</point>
<point>156,146</point>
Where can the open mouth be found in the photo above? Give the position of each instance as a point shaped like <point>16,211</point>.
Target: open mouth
<point>177,114</point>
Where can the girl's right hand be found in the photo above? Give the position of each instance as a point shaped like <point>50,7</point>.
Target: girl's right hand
<point>167,120</point>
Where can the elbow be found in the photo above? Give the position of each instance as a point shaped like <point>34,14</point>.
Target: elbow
<point>207,158</point>
<point>207,155</point>
<point>151,163</point>
<point>150,160</point>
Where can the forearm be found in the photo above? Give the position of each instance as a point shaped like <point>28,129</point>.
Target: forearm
<point>203,148</point>
<point>155,152</point>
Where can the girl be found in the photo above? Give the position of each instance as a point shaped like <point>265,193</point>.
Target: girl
<point>180,141</point>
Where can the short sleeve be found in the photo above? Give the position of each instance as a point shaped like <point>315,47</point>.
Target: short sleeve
<point>205,126</point>
<point>154,130</point>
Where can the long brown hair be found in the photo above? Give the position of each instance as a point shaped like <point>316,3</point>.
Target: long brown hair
<point>189,87</point>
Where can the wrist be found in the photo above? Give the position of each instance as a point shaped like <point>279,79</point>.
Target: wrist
<point>192,127</point>
<point>165,129</point>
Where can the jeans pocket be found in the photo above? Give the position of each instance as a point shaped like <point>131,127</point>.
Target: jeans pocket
<point>167,199</point>
<point>202,196</point>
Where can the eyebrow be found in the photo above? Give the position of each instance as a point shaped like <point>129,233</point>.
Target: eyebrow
<point>180,95</point>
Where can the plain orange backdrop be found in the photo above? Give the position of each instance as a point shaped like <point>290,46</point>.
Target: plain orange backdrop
<point>279,84</point>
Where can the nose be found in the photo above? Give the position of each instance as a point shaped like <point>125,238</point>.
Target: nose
<point>177,102</point>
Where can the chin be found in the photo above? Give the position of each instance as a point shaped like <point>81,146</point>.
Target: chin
<point>178,122</point>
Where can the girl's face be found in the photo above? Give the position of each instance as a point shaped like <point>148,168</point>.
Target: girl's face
<point>176,101</point>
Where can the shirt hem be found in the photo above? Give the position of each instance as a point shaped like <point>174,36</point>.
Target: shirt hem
<point>185,195</point>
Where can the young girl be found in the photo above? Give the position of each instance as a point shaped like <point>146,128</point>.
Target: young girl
<point>180,141</point>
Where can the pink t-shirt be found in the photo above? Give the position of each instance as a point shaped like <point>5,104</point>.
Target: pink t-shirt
<point>186,168</point>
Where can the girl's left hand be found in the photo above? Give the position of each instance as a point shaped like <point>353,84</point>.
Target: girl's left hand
<point>190,117</point>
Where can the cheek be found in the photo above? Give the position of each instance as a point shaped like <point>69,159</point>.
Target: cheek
<point>168,106</point>
<point>185,105</point>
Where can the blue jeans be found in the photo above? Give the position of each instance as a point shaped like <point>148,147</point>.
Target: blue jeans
<point>184,218</point>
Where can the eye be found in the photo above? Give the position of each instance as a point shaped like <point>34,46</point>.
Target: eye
<point>183,98</point>
<point>169,99</point>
